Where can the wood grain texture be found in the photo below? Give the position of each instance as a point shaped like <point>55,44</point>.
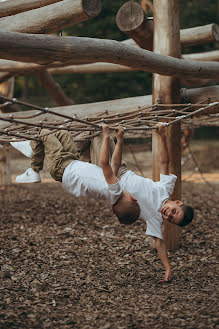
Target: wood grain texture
<point>14,7</point>
<point>166,90</point>
<point>52,18</point>
<point>43,49</point>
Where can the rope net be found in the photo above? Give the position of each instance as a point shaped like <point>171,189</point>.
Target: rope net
<point>137,123</point>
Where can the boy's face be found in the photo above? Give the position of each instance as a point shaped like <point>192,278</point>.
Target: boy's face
<point>172,211</point>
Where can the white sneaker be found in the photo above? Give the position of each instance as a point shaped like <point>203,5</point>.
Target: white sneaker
<point>23,147</point>
<point>30,176</point>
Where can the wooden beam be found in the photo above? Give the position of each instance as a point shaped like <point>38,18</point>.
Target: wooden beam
<point>53,89</point>
<point>196,95</point>
<point>124,105</point>
<point>52,18</point>
<point>166,90</point>
<point>205,56</point>
<point>8,8</point>
<point>90,68</point>
<point>107,67</point>
<point>45,49</point>
<point>65,68</point>
<point>131,19</point>
<point>200,35</point>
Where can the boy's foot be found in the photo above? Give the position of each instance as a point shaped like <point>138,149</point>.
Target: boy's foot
<point>23,147</point>
<point>30,176</point>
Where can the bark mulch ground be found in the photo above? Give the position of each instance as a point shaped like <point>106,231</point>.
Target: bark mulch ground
<point>68,263</point>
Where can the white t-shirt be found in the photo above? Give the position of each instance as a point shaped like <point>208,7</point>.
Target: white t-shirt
<point>84,179</point>
<point>150,196</point>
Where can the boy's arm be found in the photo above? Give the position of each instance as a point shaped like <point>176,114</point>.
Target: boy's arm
<point>162,252</point>
<point>104,157</point>
<point>117,154</point>
<point>163,150</point>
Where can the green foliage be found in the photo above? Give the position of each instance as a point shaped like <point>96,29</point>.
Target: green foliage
<point>84,88</point>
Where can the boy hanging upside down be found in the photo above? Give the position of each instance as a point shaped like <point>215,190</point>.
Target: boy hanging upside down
<point>130,195</point>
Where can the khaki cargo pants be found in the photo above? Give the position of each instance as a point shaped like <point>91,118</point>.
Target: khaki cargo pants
<point>59,150</point>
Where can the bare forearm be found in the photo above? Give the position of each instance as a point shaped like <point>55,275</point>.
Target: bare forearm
<point>162,252</point>
<point>104,150</point>
<point>164,155</point>
<point>117,156</point>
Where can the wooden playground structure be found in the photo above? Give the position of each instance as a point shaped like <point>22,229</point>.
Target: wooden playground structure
<point>155,46</point>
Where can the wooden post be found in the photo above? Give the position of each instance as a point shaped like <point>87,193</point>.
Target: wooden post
<point>6,89</point>
<point>166,90</point>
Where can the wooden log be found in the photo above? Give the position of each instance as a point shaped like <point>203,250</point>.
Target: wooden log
<point>14,7</point>
<point>200,35</point>
<point>52,18</point>
<point>107,67</point>
<point>205,56</point>
<point>45,49</point>
<point>166,90</point>
<point>124,105</point>
<point>196,82</point>
<point>91,68</point>
<point>131,19</point>
<point>204,94</point>
<point>64,68</point>
<point>53,89</point>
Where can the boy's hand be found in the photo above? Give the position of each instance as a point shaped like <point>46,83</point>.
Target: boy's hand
<point>161,131</point>
<point>105,129</point>
<point>119,132</point>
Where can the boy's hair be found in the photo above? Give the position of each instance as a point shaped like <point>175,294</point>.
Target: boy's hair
<point>188,215</point>
<point>126,212</point>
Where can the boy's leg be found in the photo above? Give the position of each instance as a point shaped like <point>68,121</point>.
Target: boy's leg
<point>38,155</point>
<point>66,140</point>
<point>59,151</point>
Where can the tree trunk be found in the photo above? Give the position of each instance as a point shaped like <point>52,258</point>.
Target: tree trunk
<point>14,7</point>
<point>52,18</point>
<point>166,90</point>
<point>44,49</point>
<point>54,89</point>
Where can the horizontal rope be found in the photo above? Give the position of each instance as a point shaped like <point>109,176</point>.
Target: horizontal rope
<point>140,121</point>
